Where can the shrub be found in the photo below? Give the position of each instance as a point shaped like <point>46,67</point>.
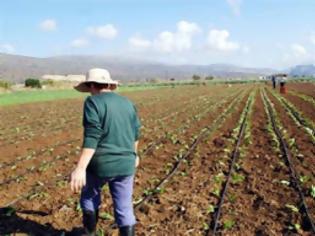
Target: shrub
<point>33,83</point>
<point>48,82</point>
<point>196,77</point>
<point>5,84</point>
<point>209,77</point>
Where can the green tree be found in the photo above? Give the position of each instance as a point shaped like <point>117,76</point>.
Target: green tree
<point>5,84</point>
<point>209,77</point>
<point>196,77</point>
<point>33,83</point>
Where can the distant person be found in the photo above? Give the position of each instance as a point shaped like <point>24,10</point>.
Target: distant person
<point>109,152</point>
<point>273,79</point>
<point>282,81</point>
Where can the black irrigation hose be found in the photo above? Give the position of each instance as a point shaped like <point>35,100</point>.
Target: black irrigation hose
<point>287,154</point>
<point>235,154</point>
<point>154,144</point>
<point>204,131</point>
<point>146,150</point>
<point>294,113</point>
<point>38,131</point>
<point>12,163</point>
<point>34,189</point>
<point>187,154</point>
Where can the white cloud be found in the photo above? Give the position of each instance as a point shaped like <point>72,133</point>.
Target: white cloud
<point>312,38</point>
<point>165,42</point>
<point>7,48</point>
<point>79,43</point>
<point>169,42</point>
<point>235,5</point>
<point>48,25</point>
<point>219,40</point>
<point>139,42</point>
<point>297,54</point>
<point>180,40</point>
<point>187,27</point>
<point>298,50</point>
<point>104,31</point>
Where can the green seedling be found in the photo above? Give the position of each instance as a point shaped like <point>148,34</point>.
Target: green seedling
<point>219,178</point>
<point>147,192</point>
<point>210,209</point>
<point>105,188</point>
<point>159,190</point>
<point>216,192</point>
<point>78,207</point>
<point>292,208</point>
<point>183,173</point>
<point>100,232</point>
<point>137,200</point>
<point>237,178</point>
<point>106,216</point>
<point>285,182</point>
<point>237,166</point>
<point>232,198</point>
<point>291,142</point>
<point>61,183</point>
<point>304,179</point>
<point>312,191</point>
<point>228,224</point>
<point>297,227</point>
<point>205,226</point>
<point>40,195</point>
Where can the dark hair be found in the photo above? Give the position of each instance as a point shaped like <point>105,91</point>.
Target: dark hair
<point>98,86</point>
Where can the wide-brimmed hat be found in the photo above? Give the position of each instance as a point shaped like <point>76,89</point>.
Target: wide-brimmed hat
<point>96,75</point>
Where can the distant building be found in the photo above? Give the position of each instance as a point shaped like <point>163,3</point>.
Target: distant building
<point>70,78</point>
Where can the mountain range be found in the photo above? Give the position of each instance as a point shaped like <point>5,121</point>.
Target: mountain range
<point>17,68</point>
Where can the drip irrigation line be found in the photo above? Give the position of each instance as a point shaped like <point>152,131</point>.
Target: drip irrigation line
<point>288,157</point>
<point>234,156</point>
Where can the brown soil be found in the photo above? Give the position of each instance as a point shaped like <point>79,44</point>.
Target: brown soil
<point>304,88</point>
<point>257,205</point>
<point>183,209</point>
<point>305,107</point>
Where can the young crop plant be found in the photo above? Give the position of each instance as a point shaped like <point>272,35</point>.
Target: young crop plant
<point>312,191</point>
<point>106,216</point>
<point>304,179</point>
<point>297,116</point>
<point>210,209</point>
<point>304,97</point>
<point>275,142</point>
<point>232,198</point>
<point>228,224</point>
<point>292,208</point>
<point>237,178</point>
<point>216,191</point>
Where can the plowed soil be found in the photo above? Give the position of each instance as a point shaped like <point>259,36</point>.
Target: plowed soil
<point>40,144</point>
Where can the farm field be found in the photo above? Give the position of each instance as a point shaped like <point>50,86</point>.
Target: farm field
<point>216,160</point>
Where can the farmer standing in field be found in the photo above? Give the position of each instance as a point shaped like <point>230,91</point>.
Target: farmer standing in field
<point>109,152</point>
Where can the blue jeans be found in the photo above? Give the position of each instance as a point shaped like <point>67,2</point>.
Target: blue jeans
<point>121,189</point>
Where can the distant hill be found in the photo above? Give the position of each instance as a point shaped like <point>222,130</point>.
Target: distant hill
<point>303,70</point>
<point>18,68</point>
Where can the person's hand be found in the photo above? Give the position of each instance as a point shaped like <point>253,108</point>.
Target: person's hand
<point>137,161</point>
<point>78,179</point>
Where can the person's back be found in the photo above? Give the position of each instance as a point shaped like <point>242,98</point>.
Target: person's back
<point>109,152</point>
<point>118,131</point>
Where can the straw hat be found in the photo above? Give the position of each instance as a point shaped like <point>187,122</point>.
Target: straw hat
<point>96,75</point>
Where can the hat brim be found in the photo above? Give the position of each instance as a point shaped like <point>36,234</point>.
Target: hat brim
<point>82,87</point>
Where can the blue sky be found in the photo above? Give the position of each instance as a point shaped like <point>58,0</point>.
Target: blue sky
<point>254,33</point>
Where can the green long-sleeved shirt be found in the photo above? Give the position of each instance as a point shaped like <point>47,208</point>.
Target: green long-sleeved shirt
<point>111,127</point>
